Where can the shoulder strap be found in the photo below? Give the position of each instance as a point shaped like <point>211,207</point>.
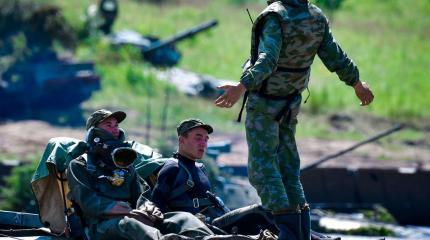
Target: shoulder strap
<point>189,184</point>
<point>245,97</point>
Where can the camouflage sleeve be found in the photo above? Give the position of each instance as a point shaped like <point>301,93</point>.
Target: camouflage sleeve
<point>268,53</point>
<point>140,191</point>
<point>336,60</point>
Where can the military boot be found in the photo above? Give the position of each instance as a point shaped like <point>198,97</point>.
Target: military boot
<point>288,224</point>
<point>305,220</point>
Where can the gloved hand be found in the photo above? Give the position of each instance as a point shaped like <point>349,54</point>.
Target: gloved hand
<point>151,211</point>
<point>141,216</point>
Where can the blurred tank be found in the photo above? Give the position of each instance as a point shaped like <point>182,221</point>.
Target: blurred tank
<point>32,76</point>
<point>159,52</point>
<point>45,81</point>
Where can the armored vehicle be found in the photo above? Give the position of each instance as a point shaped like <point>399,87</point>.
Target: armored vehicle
<point>46,81</point>
<point>159,52</point>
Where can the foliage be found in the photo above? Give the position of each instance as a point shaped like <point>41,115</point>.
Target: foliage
<point>17,193</point>
<point>362,231</point>
<point>42,23</point>
<point>371,231</point>
<point>37,28</point>
<point>379,214</point>
<point>329,4</point>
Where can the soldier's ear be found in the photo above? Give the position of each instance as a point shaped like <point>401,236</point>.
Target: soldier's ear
<point>181,139</point>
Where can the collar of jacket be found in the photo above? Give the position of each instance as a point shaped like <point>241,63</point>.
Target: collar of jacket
<point>182,158</point>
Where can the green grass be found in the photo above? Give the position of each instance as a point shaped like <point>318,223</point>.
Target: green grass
<point>387,41</point>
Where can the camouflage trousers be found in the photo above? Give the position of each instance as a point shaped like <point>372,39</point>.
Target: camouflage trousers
<point>176,225</point>
<point>273,159</point>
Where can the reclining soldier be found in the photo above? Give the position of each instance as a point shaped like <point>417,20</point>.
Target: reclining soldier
<point>183,185</point>
<point>112,199</point>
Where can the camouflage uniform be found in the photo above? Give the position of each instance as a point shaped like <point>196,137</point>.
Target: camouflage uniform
<point>286,36</point>
<point>97,197</point>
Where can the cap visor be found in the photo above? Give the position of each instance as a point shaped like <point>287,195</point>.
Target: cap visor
<point>208,128</point>
<point>205,126</point>
<point>118,115</point>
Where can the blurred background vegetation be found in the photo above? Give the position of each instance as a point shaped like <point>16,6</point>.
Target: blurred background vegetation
<point>384,38</point>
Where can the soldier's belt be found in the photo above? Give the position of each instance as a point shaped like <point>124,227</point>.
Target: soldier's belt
<point>287,98</point>
<point>261,93</point>
<point>285,69</point>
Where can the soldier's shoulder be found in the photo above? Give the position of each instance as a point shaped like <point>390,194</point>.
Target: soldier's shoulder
<point>272,14</point>
<point>316,11</point>
<point>170,164</point>
<point>274,7</point>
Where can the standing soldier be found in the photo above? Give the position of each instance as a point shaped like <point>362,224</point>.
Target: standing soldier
<point>286,36</point>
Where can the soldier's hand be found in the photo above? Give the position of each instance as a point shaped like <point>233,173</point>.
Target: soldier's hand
<point>364,93</point>
<point>231,95</point>
<point>153,212</point>
<point>141,216</point>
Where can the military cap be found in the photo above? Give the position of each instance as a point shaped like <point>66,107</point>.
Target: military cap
<point>191,123</point>
<point>102,114</point>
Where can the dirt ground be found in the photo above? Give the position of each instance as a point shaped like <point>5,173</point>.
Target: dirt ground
<point>23,139</point>
<point>388,152</point>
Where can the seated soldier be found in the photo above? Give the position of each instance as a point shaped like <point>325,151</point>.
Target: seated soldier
<point>111,197</point>
<point>182,183</point>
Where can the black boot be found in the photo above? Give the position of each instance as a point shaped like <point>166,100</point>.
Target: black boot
<point>289,226</point>
<point>305,220</point>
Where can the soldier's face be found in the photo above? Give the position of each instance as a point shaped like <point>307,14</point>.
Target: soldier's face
<point>194,144</point>
<point>110,125</point>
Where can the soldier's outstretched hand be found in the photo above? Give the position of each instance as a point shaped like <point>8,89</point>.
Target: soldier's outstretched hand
<point>364,93</point>
<point>231,95</point>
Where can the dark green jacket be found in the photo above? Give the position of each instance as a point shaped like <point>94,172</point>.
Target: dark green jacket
<point>97,197</point>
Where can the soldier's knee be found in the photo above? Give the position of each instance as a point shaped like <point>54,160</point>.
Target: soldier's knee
<point>267,181</point>
<point>291,209</point>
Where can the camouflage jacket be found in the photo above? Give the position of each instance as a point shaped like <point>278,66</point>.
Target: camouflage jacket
<point>97,197</point>
<point>285,39</point>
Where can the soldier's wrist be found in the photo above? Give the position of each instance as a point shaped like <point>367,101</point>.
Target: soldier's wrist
<point>241,87</point>
<point>357,85</point>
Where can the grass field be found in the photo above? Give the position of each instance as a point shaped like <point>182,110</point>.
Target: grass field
<point>387,39</point>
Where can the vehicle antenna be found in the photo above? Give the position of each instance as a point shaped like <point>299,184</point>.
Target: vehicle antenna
<point>250,18</point>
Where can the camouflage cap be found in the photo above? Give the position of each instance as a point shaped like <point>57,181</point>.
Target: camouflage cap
<point>191,123</point>
<point>102,114</point>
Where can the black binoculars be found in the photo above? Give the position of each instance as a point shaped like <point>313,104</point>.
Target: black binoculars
<point>123,157</point>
